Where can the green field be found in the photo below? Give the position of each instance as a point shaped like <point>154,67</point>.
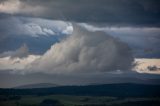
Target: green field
<point>67,100</point>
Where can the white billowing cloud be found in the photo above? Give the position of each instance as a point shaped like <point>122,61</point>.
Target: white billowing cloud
<point>8,63</point>
<point>16,60</point>
<point>21,52</point>
<point>82,51</point>
<point>145,65</point>
<point>58,27</point>
<point>34,27</point>
<point>48,31</point>
<point>68,30</point>
<point>36,30</point>
<point>16,6</point>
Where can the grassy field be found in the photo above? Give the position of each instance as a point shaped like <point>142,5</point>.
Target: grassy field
<point>68,100</point>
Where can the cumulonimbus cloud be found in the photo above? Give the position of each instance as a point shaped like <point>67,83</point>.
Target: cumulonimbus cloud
<point>82,51</point>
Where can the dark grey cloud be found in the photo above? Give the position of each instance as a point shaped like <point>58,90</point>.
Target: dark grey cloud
<point>144,41</point>
<point>119,12</point>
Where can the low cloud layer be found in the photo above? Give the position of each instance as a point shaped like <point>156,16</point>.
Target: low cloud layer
<point>8,79</point>
<point>22,52</point>
<point>151,66</point>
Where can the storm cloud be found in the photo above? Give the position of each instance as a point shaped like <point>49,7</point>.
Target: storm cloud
<point>78,41</point>
<point>111,12</point>
<point>84,52</point>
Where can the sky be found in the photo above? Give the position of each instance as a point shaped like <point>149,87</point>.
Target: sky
<point>79,42</point>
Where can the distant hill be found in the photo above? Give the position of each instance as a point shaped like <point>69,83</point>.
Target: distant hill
<point>118,90</point>
<point>37,85</point>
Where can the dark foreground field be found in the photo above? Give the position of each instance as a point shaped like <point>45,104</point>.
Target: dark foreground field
<point>92,95</point>
<point>68,100</point>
